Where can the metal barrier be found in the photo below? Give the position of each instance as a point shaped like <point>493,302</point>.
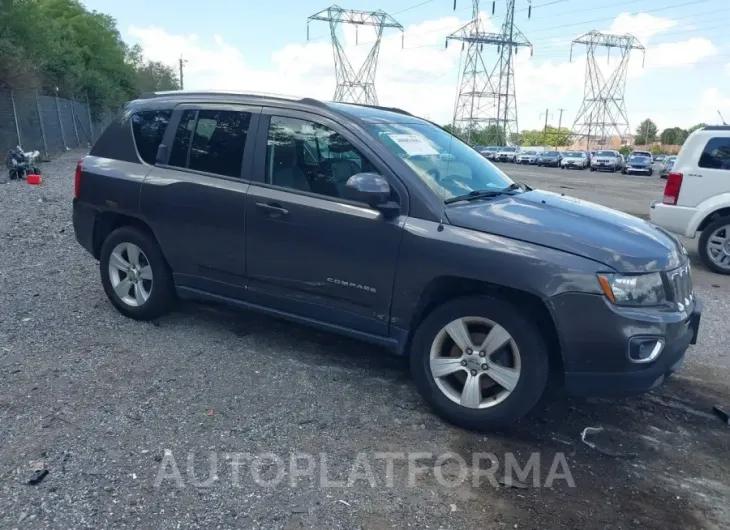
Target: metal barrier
<point>46,123</point>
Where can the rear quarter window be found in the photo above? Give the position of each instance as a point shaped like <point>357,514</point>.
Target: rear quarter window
<point>716,154</point>
<point>149,128</point>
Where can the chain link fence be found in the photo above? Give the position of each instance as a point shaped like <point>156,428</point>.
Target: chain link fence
<point>46,123</point>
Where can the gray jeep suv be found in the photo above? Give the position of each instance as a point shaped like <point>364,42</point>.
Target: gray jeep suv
<point>379,225</point>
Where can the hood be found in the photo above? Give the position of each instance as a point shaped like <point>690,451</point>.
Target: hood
<point>639,162</point>
<point>622,242</point>
<point>574,158</point>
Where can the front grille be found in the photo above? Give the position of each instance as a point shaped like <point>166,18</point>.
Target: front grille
<point>680,286</point>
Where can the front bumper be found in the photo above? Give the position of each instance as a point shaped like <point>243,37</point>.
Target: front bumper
<point>600,166</point>
<point>595,334</point>
<point>646,170</point>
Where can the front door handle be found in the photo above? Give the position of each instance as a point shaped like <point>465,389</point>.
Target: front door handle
<point>273,210</point>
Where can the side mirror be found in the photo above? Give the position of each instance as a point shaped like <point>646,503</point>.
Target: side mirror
<point>373,190</point>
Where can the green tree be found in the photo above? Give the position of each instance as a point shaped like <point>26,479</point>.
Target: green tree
<point>646,132</point>
<point>673,136</point>
<point>695,127</point>
<point>60,47</point>
<point>625,150</point>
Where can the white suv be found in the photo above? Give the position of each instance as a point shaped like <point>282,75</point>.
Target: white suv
<point>697,196</point>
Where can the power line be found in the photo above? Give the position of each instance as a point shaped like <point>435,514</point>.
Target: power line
<point>412,7</point>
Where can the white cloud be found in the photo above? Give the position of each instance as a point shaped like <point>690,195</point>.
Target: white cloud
<point>421,76</point>
<point>643,26</point>
<point>676,54</point>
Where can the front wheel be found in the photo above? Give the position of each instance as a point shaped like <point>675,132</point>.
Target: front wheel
<point>714,246</point>
<point>135,275</point>
<point>479,362</point>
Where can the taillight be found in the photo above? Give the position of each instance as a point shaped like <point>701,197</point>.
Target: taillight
<point>671,190</point>
<point>77,179</point>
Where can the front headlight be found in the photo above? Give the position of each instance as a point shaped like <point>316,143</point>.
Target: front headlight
<point>635,290</point>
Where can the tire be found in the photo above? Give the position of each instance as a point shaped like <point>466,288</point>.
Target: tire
<point>159,287</point>
<point>593,169</point>
<point>505,408</point>
<point>623,171</point>
<point>703,248</point>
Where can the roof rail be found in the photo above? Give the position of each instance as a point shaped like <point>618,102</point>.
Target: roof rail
<point>149,95</point>
<point>389,109</point>
<point>716,128</point>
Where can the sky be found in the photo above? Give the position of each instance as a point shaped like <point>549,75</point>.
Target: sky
<point>262,46</point>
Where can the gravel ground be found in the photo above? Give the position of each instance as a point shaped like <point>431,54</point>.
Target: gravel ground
<point>97,399</point>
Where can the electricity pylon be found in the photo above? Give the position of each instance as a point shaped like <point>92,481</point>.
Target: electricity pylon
<point>487,98</point>
<point>355,87</point>
<point>602,113</point>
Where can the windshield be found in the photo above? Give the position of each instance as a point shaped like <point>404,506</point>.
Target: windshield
<point>509,149</point>
<point>446,164</point>
<point>574,154</point>
<point>641,153</point>
<point>552,153</point>
<point>529,153</point>
<point>639,158</point>
<point>606,153</point>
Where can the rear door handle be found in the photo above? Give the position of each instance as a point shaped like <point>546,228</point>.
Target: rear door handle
<point>273,210</point>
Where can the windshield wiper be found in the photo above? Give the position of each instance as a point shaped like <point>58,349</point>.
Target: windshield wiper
<point>474,195</point>
<point>512,187</point>
<point>484,194</point>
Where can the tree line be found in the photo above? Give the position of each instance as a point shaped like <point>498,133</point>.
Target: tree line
<point>60,48</point>
<point>494,135</point>
<point>648,133</point>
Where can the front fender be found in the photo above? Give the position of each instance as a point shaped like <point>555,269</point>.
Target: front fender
<point>430,251</point>
<point>705,209</point>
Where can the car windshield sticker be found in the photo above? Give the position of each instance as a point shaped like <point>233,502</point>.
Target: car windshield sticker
<point>413,144</point>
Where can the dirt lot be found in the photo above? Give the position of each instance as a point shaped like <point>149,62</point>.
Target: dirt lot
<point>99,398</point>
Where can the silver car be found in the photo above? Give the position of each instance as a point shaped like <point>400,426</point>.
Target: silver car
<point>667,166</point>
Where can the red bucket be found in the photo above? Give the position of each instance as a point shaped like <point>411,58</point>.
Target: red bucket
<point>33,179</point>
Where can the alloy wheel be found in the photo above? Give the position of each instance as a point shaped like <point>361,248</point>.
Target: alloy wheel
<point>130,274</point>
<point>718,247</point>
<point>475,362</point>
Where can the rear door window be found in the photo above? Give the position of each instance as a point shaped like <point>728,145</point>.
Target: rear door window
<point>149,127</point>
<point>211,141</point>
<point>716,154</point>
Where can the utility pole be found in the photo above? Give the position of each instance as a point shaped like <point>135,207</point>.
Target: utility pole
<point>182,62</point>
<point>544,130</point>
<point>352,86</point>
<point>487,95</point>
<point>560,124</point>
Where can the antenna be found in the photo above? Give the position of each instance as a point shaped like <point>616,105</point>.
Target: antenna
<point>721,118</point>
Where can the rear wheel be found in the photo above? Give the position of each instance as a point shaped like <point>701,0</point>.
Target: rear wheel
<point>479,362</point>
<point>714,246</point>
<point>134,274</point>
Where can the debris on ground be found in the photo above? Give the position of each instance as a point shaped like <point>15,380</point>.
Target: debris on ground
<point>344,502</point>
<point>721,413</point>
<point>39,471</point>
<point>602,450</point>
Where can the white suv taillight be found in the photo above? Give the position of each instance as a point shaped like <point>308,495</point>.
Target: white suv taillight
<point>671,190</point>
